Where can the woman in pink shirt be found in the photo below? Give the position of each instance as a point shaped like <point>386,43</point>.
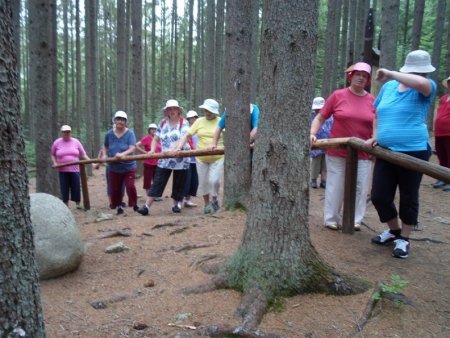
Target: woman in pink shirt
<point>68,149</point>
<point>442,133</point>
<point>353,113</point>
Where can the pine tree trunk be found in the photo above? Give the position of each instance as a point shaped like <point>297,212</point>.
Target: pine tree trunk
<point>20,307</point>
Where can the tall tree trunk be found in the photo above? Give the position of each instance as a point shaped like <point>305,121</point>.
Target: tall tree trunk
<point>78,85</point>
<point>65,113</point>
<point>209,75</point>
<point>190,54</point>
<point>239,30</point>
<point>389,30</point>
<point>20,306</point>
<point>218,63</point>
<point>331,54</point>
<point>136,71</point>
<point>174,47</point>
<point>276,256</point>
<point>42,91</point>
<point>255,55</point>
<point>92,127</point>
<point>419,7</point>
<point>121,95</point>
<point>153,76</point>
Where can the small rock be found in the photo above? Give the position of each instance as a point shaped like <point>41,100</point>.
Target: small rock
<point>103,217</point>
<point>117,247</point>
<point>181,317</point>
<point>139,326</point>
<point>149,284</point>
<point>98,305</point>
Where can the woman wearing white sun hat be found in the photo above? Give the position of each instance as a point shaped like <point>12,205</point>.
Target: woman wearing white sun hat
<point>209,168</point>
<point>442,133</point>
<point>170,130</point>
<point>400,125</point>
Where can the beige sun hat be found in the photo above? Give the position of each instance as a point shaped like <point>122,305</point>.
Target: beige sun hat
<point>171,104</point>
<point>211,105</point>
<point>191,113</point>
<point>445,82</point>
<point>318,103</point>
<point>152,126</point>
<point>66,128</point>
<point>418,61</point>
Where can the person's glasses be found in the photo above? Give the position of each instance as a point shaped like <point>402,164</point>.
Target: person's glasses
<point>120,119</point>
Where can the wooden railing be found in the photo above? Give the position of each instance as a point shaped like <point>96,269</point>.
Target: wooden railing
<point>352,144</point>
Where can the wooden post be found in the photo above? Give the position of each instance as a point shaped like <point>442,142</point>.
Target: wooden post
<point>351,173</point>
<point>84,188</point>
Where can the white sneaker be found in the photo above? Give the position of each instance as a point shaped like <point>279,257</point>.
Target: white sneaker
<point>189,204</point>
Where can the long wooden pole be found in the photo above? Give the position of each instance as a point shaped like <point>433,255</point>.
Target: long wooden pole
<point>167,154</point>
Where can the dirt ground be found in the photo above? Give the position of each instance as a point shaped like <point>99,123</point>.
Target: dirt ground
<point>141,287</point>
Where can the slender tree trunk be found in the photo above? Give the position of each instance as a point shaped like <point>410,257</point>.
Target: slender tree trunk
<point>239,30</point>
<point>42,91</point>
<point>419,7</point>
<point>121,100</point>
<point>209,76</point>
<point>153,76</point>
<point>219,56</point>
<point>190,53</point>
<point>20,306</point>
<point>389,30</point>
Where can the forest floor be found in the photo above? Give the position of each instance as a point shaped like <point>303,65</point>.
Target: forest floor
<point>140,288</point>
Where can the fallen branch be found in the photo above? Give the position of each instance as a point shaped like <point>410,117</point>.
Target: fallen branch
<point>192,246</point>
<point>178,231</point>
<point>235,331</point>
<point>168,224</point>
<point>116,233</point>
<point>368,310</point>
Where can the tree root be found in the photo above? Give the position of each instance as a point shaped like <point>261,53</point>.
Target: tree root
<point>372,302</point>
<point>235,331</point>
<point>252,308</point>
<point>217,282</point>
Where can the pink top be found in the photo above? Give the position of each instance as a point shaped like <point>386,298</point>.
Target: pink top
<point>68,151</point>
<point>353,117</point>
<point>146,142</point>
<point>442,123</point>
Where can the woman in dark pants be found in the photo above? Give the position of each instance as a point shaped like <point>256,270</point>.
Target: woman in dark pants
<point>400,125</point>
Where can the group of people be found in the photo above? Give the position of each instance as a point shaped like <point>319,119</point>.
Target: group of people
<point>175,132</point>
<point>395,120</point>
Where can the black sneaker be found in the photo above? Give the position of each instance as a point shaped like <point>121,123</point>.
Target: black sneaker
<point>143,211</point>
<point>215,205</point>
<point>385,237</point>
<point>119,210</point>
<point>176,209</point>
<point>401,248</point>
<point>313,184</point>
<point>135,208</point>
<point>323,184</point>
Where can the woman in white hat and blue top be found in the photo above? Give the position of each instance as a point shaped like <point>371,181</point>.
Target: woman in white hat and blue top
<point>400,126</point>
<point>209,168</point>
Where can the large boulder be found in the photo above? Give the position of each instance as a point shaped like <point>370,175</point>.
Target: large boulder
<point>57,240</point>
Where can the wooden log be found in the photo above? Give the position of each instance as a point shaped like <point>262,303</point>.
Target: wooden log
<point>351,174</point>
<point>167,154</point>
<point>84,188</point>
<point>403,160</point>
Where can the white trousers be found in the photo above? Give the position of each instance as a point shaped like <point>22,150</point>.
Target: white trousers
<point>209,176</point>
<point>334,192</point>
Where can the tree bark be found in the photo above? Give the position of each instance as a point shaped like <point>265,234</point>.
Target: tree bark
<point>41,89</point>
<point>238,77</point>
<point>389,29</point>
<point>20,307</point>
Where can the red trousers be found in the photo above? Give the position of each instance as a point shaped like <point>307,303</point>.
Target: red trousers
<point>116,181</point>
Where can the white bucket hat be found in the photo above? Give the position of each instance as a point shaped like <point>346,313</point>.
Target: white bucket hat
<point>171,104</point>
<point>418,61</point>
<point>445,82</point>
<point>121,114</point>
<point>191,113</point>
<point>210,105</point>
<point>152,126</point>
<point>66,128</point>
<point>318,103</point>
